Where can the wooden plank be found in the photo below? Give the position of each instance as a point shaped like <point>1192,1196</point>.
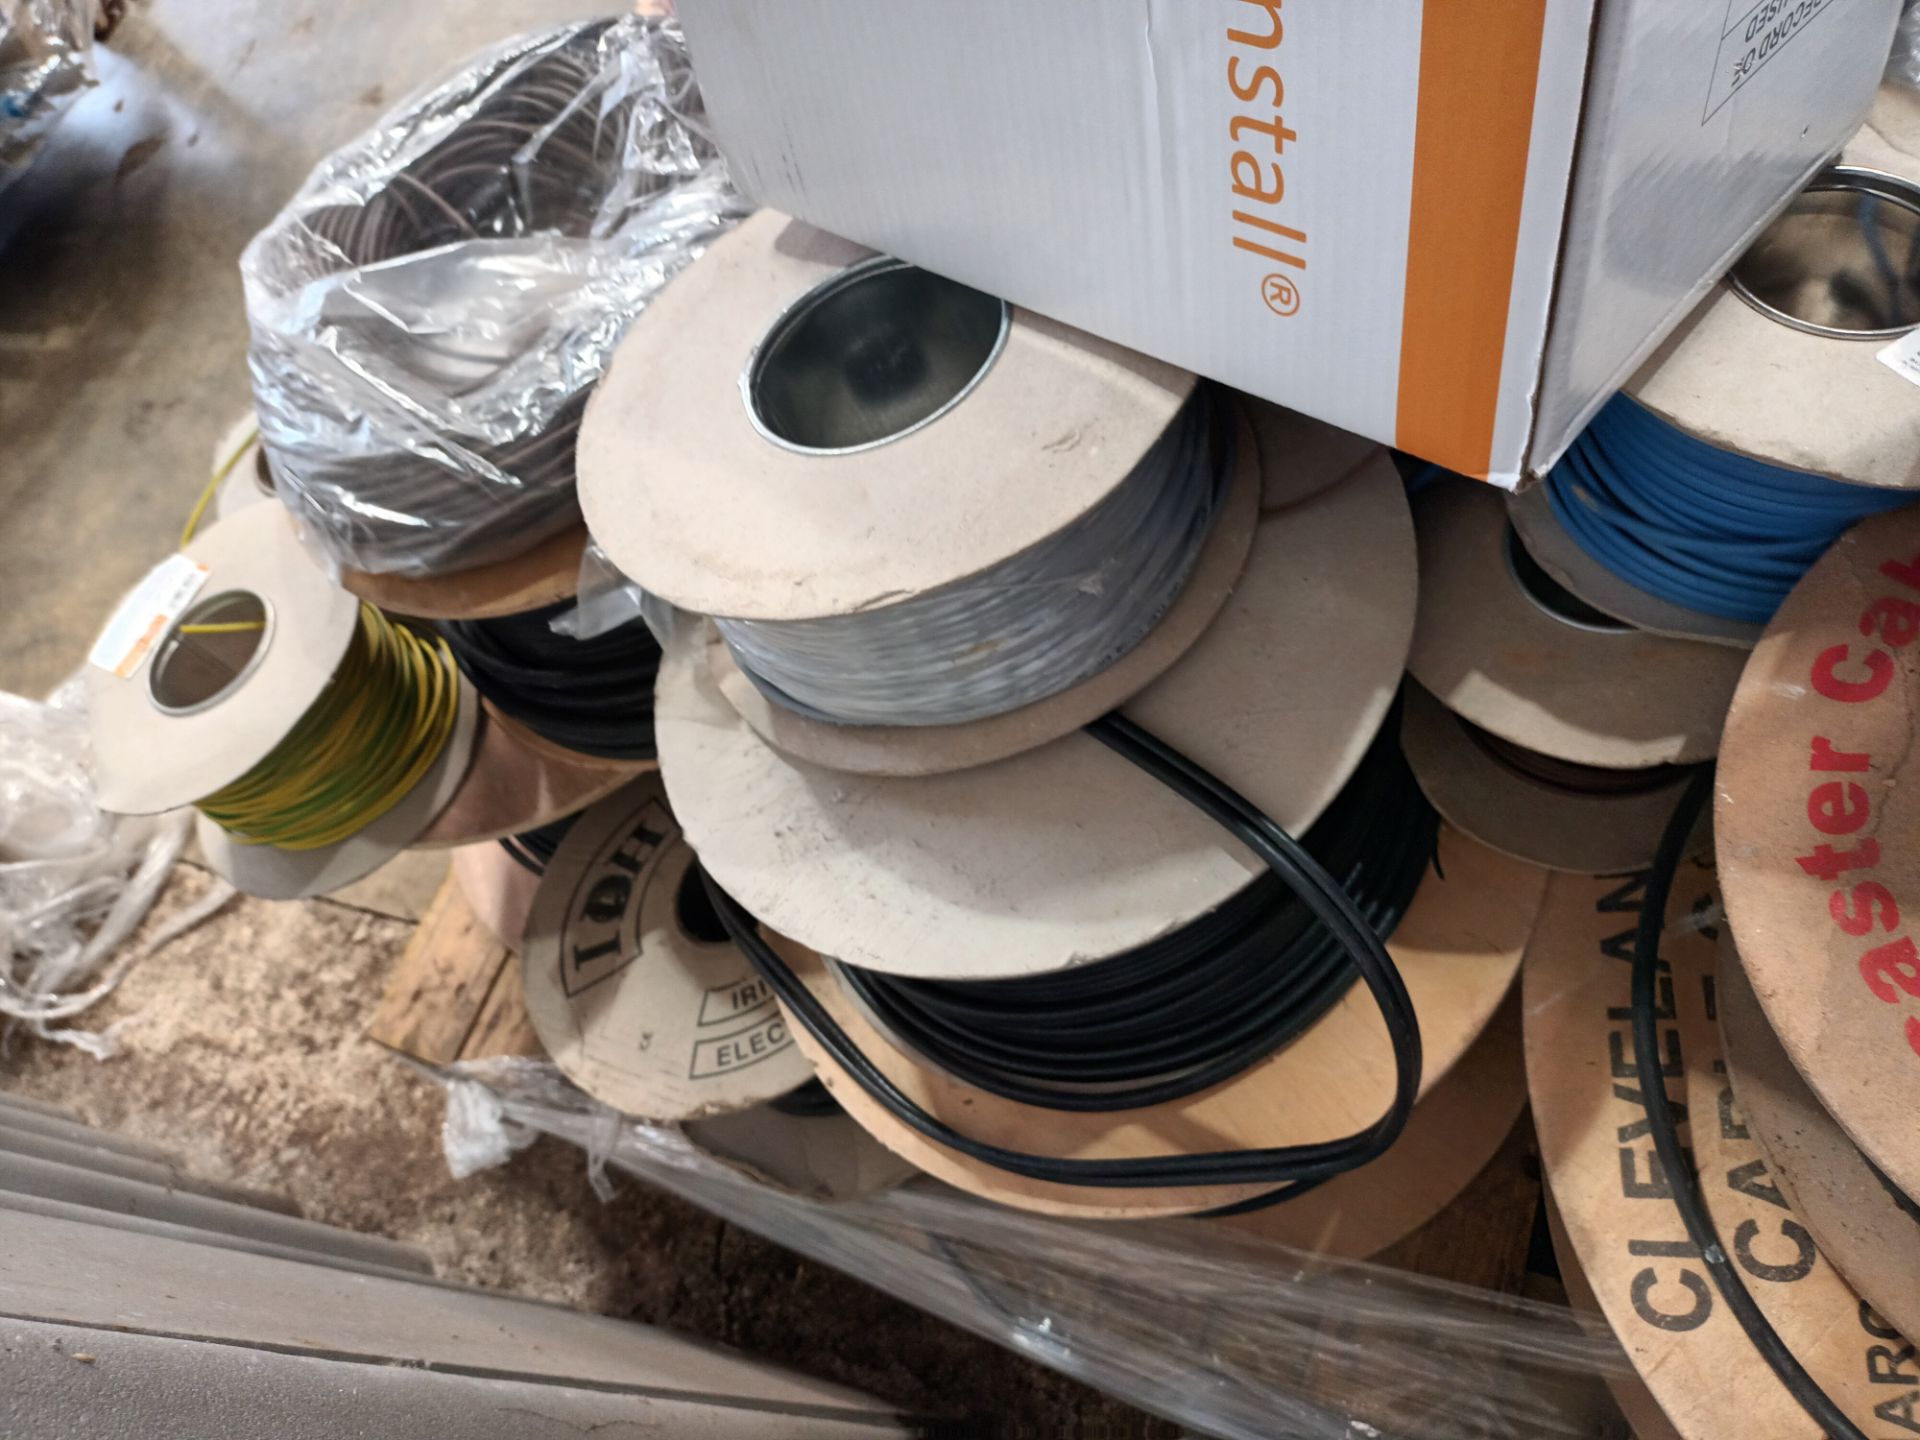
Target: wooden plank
<point>438,990</point>
<point>503,1027</point>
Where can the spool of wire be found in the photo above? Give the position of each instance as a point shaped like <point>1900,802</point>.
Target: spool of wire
<point>366,742</point>
<point>1032,626</point>
<point>1016,1055</point>
<point>1185,1012</point>
<point>1698,526</point>
<point>421,417</point>
<point>592,696</point>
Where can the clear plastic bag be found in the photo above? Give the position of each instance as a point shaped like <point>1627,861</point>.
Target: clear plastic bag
<point>1233,1336</point>
<point>431,310</point>
<point>1904,64</point>
<point>74,881</point>
<point>46,58</point>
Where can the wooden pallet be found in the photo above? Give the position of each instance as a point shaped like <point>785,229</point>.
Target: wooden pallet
<point>456,993</point>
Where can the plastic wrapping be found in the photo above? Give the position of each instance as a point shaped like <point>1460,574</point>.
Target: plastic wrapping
<point>46,58</point>
<point>1904,64</point>
<point>431,310</point>
<point>1229,1335</point>
<point>74,880</point>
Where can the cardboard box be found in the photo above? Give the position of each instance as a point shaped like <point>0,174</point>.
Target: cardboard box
<point>1451,225</point>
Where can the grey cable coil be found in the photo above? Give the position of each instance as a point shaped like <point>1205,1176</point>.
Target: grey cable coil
<point>1040,623</point>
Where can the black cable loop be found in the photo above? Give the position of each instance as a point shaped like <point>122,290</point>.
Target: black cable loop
<point>1674,1162</point>
<point>1185,1012</point>
<point>593,696</point>
<point>1295,1167</point>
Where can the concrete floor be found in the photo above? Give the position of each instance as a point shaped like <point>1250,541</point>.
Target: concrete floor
<point>122,360</point>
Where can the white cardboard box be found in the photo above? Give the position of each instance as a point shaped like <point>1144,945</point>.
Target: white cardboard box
<point>1451,225</point>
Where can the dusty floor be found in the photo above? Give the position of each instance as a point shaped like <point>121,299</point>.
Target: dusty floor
<point>244,1053</point>
<point>122,360</point>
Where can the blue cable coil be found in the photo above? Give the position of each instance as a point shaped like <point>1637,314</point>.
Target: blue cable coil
<point>1696,525</point>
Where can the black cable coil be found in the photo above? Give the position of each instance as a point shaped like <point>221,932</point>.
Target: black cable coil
<point>1349,929</point>
<point>534,850</point>
<point>594,697</point>
<point>537,156</point>
<point>1191,1009</point>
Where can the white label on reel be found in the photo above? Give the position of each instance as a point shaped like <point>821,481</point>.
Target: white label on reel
<point>1903,356</point>
<point>143,617</point>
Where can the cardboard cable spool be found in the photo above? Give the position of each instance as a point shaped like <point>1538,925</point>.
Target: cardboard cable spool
<point>1862,1224</point>
<point>544,575</point>
<point>1817,825</point>
<point>173,724</point>
<point>1068,853</point>
<point>520,781</point>
<point>1455,1131</point>
<point>1749,383</point>
<point>1458,949</point>
<point>904,750</point>
<point>1522,815</point>
<point>498,889</point>
<point>1498,648</point>
<point>1618,1221</point>
<point>634,988</point>
<point>698,503</point>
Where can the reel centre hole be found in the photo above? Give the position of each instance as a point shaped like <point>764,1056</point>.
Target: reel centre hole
<point>1844,260</point>
<point>209,651</point>
<point>871,355</point>
<point>1550,595</point>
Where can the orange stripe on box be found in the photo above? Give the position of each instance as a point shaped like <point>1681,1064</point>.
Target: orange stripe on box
<point>1479,64</point>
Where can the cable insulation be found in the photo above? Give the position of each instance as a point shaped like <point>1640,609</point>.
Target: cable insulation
<point>1189,1010</point>
<point>372,735</point>
<point>1700,527</point>
<point>591,696</point>
<point>1675,1162</point>
<point>1052,616</point>
<point>1292,1166</point>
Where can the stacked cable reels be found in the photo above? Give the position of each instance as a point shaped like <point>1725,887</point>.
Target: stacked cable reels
<point>874,743</point>
<point>1063,854</point>
<point>1539,725</point>
<point>640,999</point>
<point>1617,1226</point>
<point>1764,426</point>
<point>1818,843</point>
<point>240,663</point>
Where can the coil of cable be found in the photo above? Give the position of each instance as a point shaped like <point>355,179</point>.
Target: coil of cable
<point>1349,927</point>
<point>1038,623</point>
<point>1715,532</point>
<point>374,731</point>
<point>421,418</point>
<point>1182,1013</point>
<point>591,696</point>
<point>533,850</point>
